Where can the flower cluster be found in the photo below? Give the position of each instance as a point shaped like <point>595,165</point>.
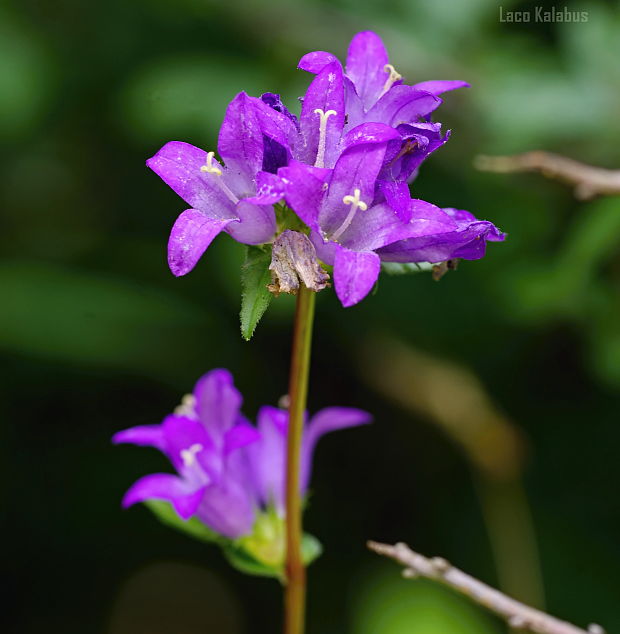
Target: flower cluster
<point>344,166</point>
<point>230,473</point>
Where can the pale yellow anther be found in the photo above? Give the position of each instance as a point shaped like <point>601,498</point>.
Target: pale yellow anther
<point>209,167</point>
<point>356,203</point>
<point>187,406</point>
<point>323,117</point>
<point>188,456</point>
<point>394,76</point>
<point>355,200</point>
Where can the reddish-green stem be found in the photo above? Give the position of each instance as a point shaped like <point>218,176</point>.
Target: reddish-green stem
<point>295,592</point>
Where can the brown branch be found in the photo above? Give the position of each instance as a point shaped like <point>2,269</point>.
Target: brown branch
<point>589,181</point>
<point>516,614</point>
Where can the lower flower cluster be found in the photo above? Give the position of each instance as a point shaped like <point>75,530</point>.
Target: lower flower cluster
<point>230,474</point>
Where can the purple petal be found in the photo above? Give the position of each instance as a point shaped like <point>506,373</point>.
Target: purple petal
<point>268,457</point>
<point>374,228</point>
<point>325,93</point>
<point>427,218</point>
<point>354,107</point>
<point>438,86</point>
<point>190,448</point>
<point>464,219</point>
<point>228,508</point>
<point>162,486</point>
<point>278,126</point>
<point>217,403</point>
<point>325,250</point>
<point>461,217</point>
<point>325,421</point>
<point>274,101</point>
<point>371,132</point>
<point>178,165</point>
<point>275,155</point>
<point>366,62</point>
<point>355,273</point>
<point>303,191</point>
<point>467,241</point>
<point>315,62</point>
<point>143,436</point>
<point>240,435</point>
<point>191,234</point>
<point>257,223</point>
<point>417,142</point>
<point>356,169</point>
<point>403,104</point>
<point>240,141</point>
<point>398,197</point>
<point>269,189</point>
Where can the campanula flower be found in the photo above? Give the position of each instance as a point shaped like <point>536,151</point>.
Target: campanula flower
<point>354,226</point>
<point>442,234</point>
<point>369,77</point>
<point>219,194</point>
<point>229,473</point>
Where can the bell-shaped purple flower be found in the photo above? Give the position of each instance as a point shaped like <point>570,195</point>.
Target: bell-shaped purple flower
<point>218,194</point>
<point>228,472</point>
<point>442,234</point>
<point>355,225</point>
<point>201,440</point>
<point>375,91</point>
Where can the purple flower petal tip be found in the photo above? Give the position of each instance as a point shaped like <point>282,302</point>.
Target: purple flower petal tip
<point>355,273</point>
<point>437,87</point>
<point>315,62</point>
<point>191,234</point>
<point>145,435</point>
<point>163,486</point>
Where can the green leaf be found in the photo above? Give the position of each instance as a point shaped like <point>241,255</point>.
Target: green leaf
<point>311,548</point>
<point>255,297</point>
<point>193,526</point>
<point>398,268</point>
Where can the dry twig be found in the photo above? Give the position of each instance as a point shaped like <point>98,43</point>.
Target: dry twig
<point>589,181</point>
<point>517,614</point>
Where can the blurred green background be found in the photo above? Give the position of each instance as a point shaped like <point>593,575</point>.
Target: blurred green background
<point>96,335</point>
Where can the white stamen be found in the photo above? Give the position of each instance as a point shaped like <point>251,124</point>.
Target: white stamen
<point>389,82</point>
<point>356,204</point>
<point>188,456</point>
<point>323,117</point>
<point>187,406</point>
<point>209,168</point>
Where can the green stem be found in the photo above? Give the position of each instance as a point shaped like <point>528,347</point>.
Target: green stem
<point>295,593</point>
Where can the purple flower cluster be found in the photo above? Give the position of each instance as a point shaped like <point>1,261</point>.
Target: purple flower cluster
<point>344,166</point>
<point>229,472</point>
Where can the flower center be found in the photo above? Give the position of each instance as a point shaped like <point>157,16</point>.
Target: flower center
<point>188,456</point>
<point>389,82</point>
<point>356,203</point>
<point>323,117</point>
<point>209,168</point>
